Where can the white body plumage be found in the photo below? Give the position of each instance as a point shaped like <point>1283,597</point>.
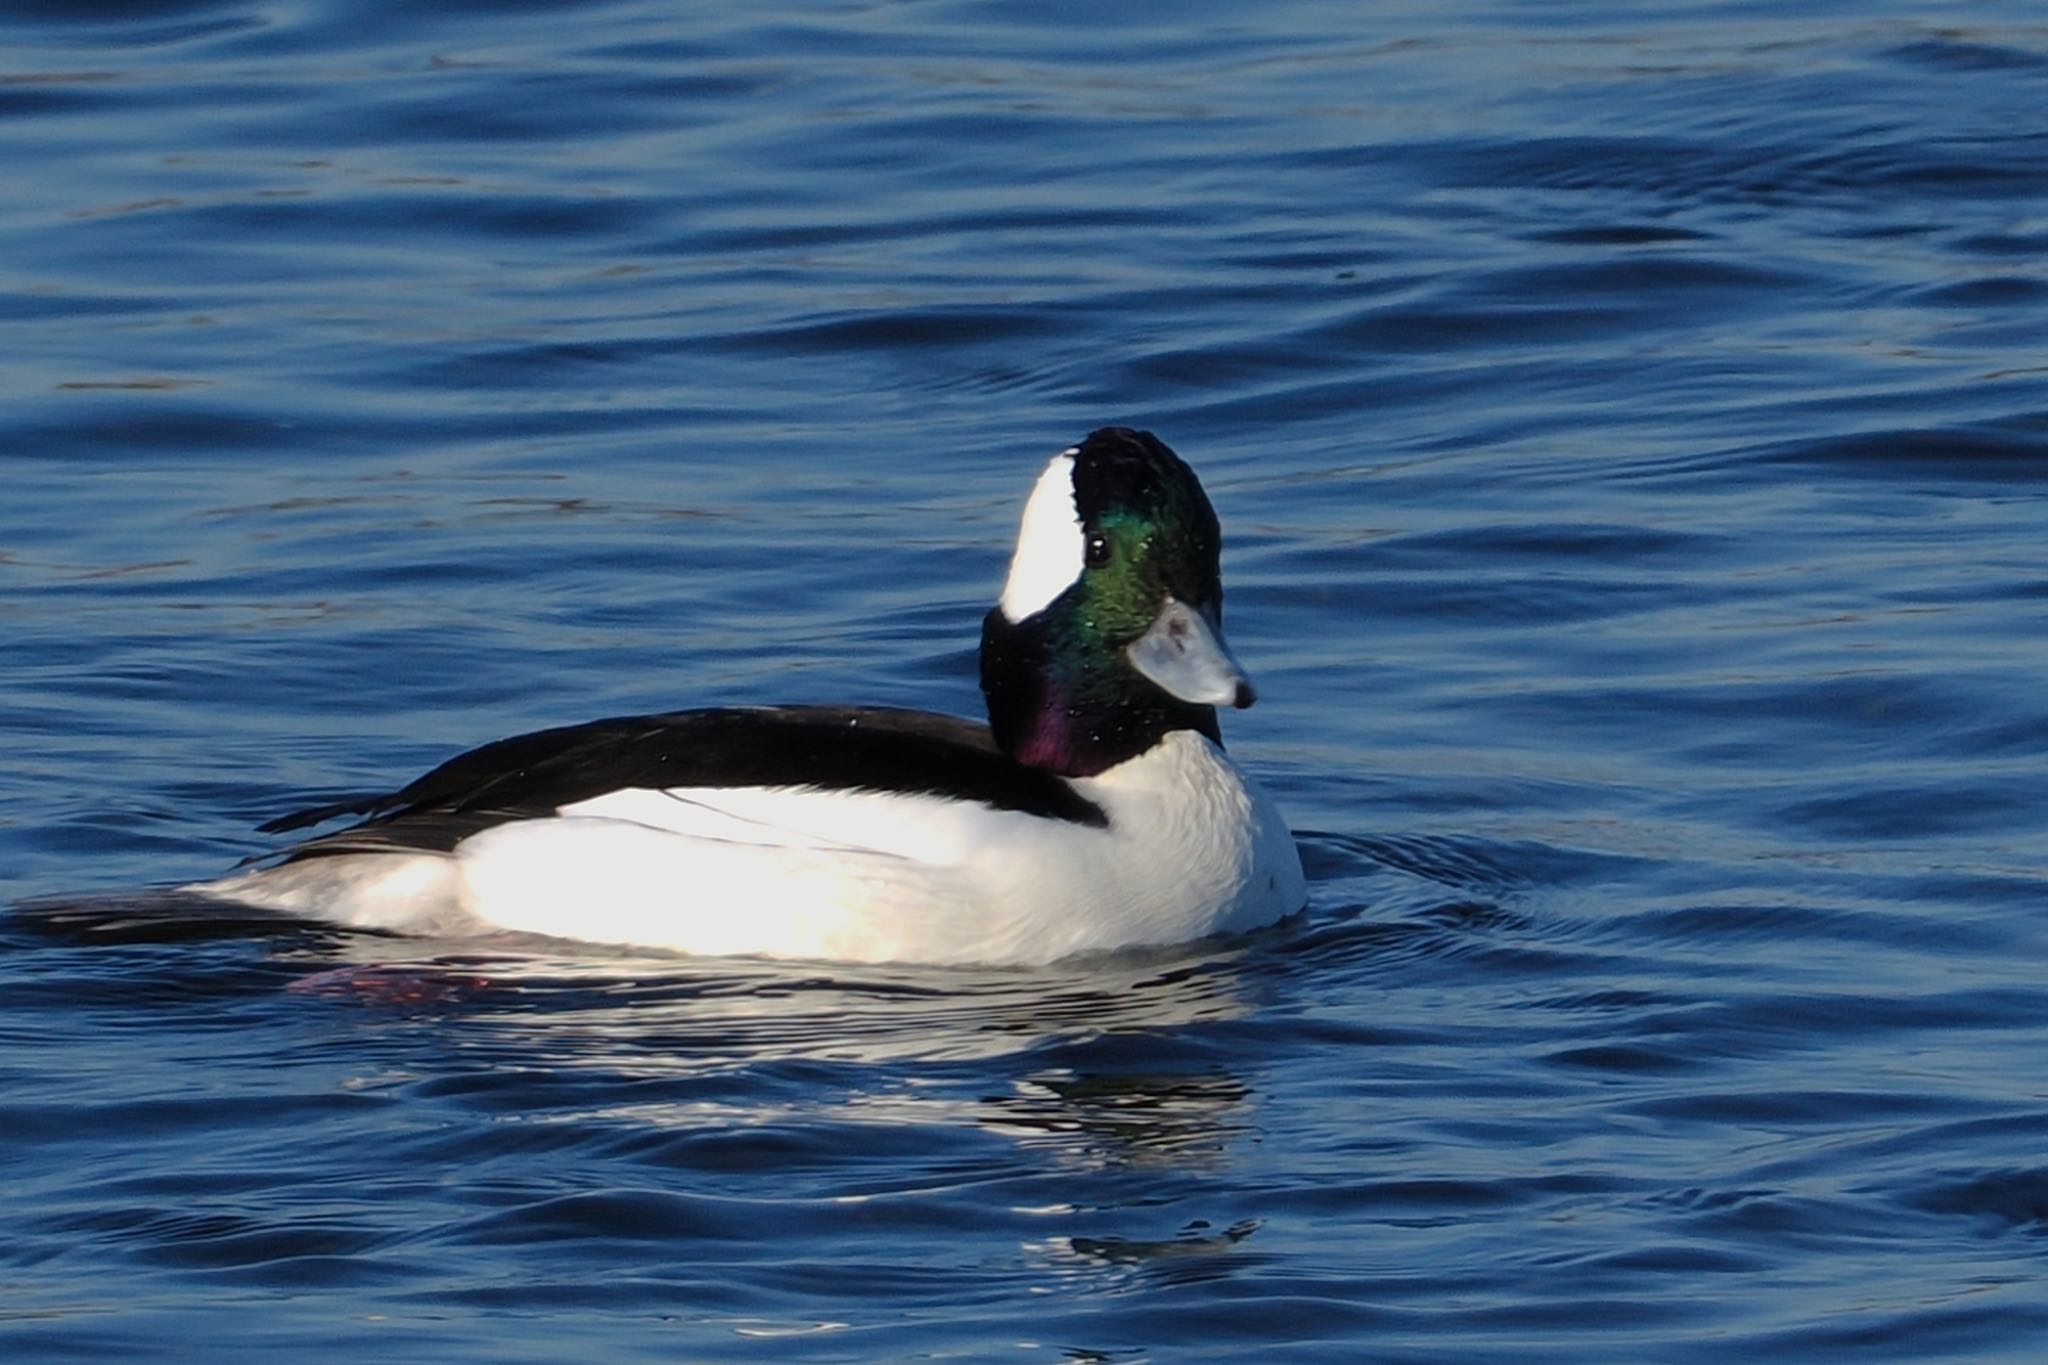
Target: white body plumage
<point>1192,848</point>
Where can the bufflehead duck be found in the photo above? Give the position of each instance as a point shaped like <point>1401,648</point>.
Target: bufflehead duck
<point>1096,810</point>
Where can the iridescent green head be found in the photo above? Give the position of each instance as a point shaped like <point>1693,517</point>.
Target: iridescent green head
<point>1109,630</point>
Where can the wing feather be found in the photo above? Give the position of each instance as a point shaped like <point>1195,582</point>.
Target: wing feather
<point>852,749</point>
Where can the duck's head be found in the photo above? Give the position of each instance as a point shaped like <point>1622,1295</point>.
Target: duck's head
<point>1109,632</point>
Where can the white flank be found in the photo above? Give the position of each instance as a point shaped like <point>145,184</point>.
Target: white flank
<point>1193,848</point>
<point>1050,543</point>
<point>409,893</point>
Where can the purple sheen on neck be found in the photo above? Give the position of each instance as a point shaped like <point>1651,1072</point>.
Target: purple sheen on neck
<point>1049,742</point>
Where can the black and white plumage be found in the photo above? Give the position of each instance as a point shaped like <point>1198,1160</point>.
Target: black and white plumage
<point>1096,811</point>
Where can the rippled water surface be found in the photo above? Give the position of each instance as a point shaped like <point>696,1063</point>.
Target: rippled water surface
<point>1630,426</point>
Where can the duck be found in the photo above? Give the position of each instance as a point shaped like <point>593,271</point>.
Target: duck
<point>1094,811</point>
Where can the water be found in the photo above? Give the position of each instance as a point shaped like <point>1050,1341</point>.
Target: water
<point>1630,426</point>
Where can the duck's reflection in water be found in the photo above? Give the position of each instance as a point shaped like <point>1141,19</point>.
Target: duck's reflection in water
<point>1094,1061</point>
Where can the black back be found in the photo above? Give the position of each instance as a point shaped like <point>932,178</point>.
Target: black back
<point>849,748</point>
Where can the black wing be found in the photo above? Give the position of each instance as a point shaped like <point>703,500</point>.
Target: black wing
<point>851,748</point>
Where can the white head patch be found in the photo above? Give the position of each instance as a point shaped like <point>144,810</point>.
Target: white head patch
<point>1050,543</point>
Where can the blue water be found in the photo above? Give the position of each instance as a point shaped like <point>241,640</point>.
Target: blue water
<point>1630,428</point>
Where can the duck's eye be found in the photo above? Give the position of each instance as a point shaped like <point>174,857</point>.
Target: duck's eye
<point>1098,551</point>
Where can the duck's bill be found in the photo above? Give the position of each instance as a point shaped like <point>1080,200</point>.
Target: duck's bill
<point>1183,652</point>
